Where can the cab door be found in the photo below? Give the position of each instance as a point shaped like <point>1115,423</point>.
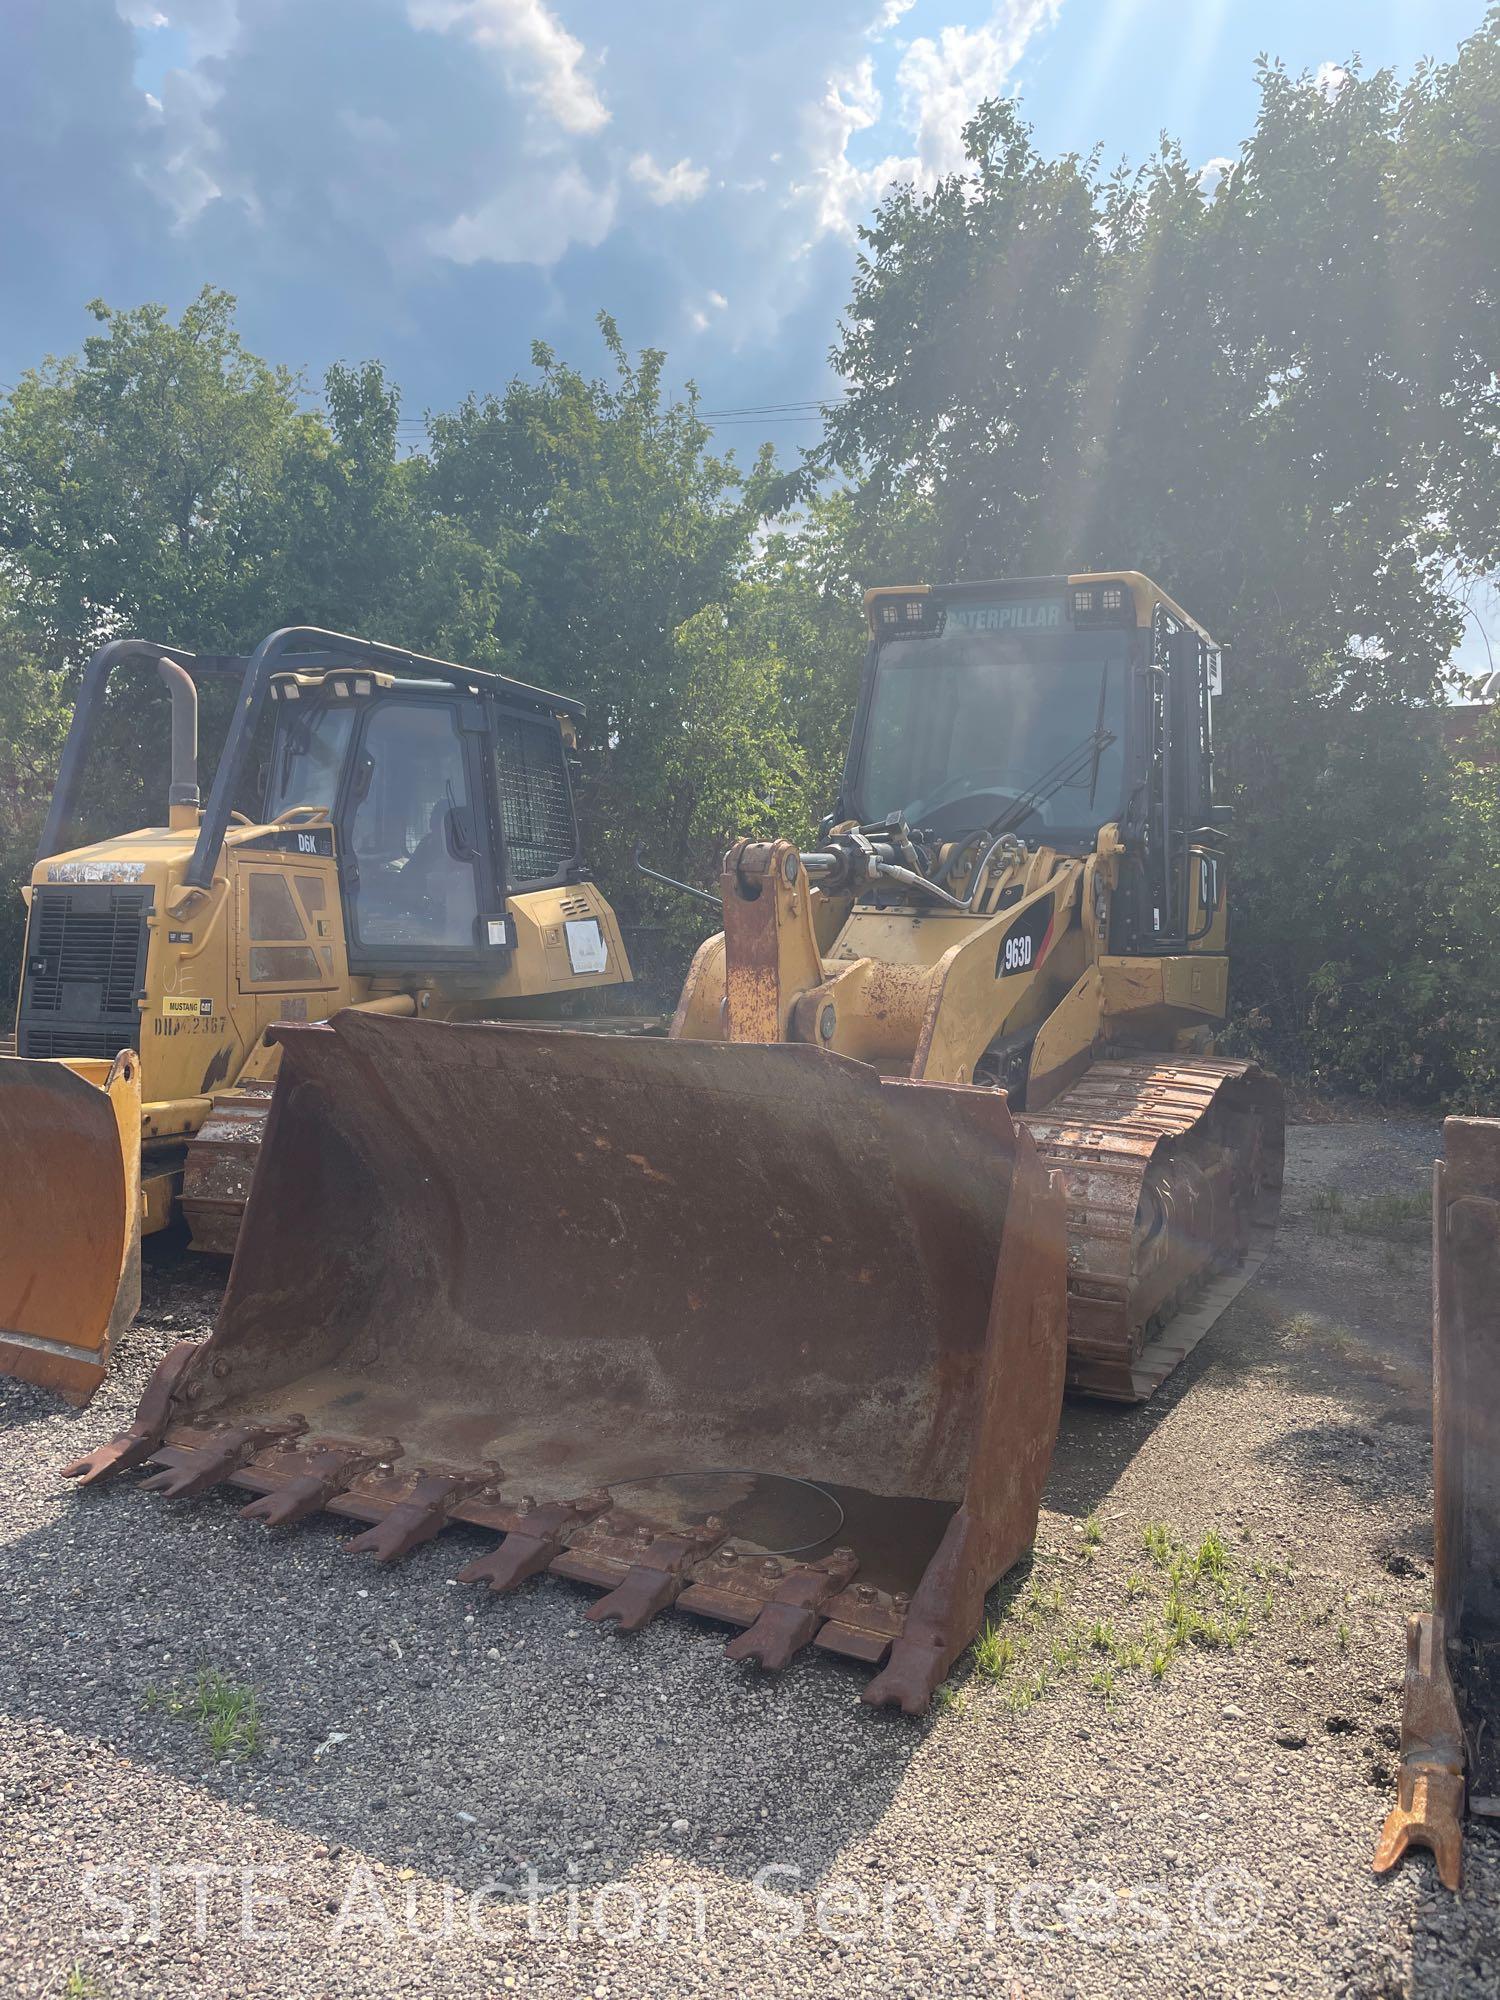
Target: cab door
<point>290,961</point>
<point>416,858</point>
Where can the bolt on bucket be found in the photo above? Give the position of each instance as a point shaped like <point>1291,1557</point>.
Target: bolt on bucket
<point>746,1329</point>
<point>70,1217</point>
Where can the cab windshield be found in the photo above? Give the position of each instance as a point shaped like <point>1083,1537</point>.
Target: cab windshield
<point>966,728</point>
<point>308,756</point>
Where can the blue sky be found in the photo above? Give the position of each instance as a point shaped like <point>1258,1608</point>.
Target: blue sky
<point>439,182</point>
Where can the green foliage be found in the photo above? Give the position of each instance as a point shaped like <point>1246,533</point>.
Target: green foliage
<point>1282,403</point>
<point>33,722</point>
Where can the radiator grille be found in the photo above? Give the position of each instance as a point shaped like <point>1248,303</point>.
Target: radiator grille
<point>85,965</point>
<point>536,812</point>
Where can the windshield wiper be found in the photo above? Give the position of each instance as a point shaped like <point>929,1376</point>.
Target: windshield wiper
<point>1069,766</point>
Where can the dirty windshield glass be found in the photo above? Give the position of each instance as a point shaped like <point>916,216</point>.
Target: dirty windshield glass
<point>308,758</point>
<point>964,725</point>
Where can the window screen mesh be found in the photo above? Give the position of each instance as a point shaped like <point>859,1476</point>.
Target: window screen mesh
<point>534,809</point>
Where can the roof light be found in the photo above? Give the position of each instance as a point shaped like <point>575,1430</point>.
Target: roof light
<point>363,685</point>
<point>1104,603</point>
<point>289,691</point>
<point>341,688</point>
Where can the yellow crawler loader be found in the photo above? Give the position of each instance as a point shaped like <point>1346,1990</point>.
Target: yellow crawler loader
<point>769,1320</point>
<point>414,852</point>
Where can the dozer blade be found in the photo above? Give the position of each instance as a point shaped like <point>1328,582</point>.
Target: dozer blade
<point>1450,1725</point>
<point>70,1217</point>
<point>743,1329</point>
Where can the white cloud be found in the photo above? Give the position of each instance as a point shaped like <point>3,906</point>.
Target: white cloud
<point>534,220</point>
<point>549,60</point>
<point>890,13</point>
<point>187,179</point>
<point>1330,78</point>
<point>668,185</point>
<point>941,82</point>
<point>699,319</point>
<point>209,25</point>
<point>838,189</point>
<point>1213,171</point>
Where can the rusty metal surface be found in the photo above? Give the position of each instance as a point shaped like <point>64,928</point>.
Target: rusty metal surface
<point>70,1217</point>
<point>1430,1788</point>
<point>1170,1169</point>
<point>220,1164</point>
<point>641,1306</point>
<point>1450,1724</point>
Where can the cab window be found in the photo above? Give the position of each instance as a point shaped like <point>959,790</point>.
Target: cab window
<point>308,756</point>
<point>413,883</point>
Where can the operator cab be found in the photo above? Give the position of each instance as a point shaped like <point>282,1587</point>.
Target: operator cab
<point>1050,708</point>
<point>441,800</point>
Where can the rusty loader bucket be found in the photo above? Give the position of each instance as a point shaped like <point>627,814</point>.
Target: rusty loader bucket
<point>743,1329</point>
<point>70,1217</point>
<point>1450,1726</point>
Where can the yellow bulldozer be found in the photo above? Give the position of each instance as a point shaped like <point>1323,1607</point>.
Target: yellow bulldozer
<point>769,1319</point>
<point>414,852</point>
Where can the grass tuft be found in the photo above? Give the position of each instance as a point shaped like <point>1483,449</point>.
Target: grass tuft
<point>227,1715</point>
<point>995,1653</point>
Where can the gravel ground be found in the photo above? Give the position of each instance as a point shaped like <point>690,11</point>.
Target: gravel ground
<point>462,1798</point>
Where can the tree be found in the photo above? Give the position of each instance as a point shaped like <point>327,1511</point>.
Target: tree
<point>1280,400</point>
<point>33,722</point>
<point>625,535</point>
<point>137,479</point>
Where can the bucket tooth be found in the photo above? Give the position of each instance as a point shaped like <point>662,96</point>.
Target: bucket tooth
<point>533,1543</point>
<point>1430,1789</point>
<point>141,1439</point>
<point>304,1479</point>
<point>422,1514</point>
<point>191,1470</point>
<point>648,1566</point>
<point>790,1618</point>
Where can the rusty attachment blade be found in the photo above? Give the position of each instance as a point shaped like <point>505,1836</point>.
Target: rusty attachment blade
<point>1450,1723</point>
<point>142,1437</point>
<point>761,1287</point>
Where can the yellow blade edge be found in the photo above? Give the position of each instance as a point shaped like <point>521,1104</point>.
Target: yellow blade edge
<point>70,1217</point>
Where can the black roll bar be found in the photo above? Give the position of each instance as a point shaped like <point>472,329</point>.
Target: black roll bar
<point>86,712</point>
<point>292,648</point>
